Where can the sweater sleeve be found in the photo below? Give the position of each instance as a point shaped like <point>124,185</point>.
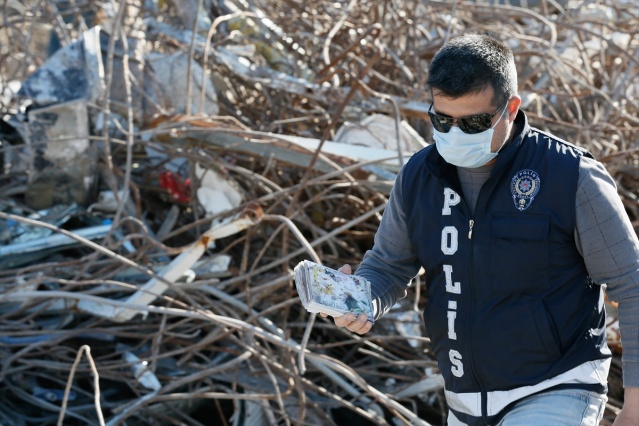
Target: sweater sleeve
<point>392,263</point>
<point>609,245</point>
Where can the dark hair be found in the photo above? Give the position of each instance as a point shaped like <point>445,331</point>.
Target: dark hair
<point>469,64</point>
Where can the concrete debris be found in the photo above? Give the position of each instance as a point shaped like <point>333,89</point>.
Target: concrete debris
<point>62,161</point>
<point>73,73</point>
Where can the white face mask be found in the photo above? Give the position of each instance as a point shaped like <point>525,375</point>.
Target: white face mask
<point>467,150</point>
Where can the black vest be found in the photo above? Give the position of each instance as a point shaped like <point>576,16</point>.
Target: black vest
<point>510,302</point>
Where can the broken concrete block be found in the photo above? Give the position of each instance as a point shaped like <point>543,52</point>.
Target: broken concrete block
<point>62,162</point>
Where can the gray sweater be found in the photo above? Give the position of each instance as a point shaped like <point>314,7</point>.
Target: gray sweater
<point>604,236</point>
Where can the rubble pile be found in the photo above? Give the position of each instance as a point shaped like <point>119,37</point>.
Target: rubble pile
<point>166,164</point>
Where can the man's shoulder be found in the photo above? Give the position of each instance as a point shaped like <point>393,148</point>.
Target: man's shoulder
<point>422,154</point>
<point>553,143</point>
<point>418,159</point>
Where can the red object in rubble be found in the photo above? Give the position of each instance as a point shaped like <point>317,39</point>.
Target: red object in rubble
<point>179,189</point>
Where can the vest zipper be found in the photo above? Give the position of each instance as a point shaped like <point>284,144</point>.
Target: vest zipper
<point>482,389</point>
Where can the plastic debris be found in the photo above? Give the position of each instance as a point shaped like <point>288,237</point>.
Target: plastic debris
<point>141,372</point>
<point>380,131</point>
<point>179,189</point>
<point>216,194</point>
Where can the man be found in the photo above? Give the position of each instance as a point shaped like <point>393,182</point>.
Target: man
<point>517,231</point>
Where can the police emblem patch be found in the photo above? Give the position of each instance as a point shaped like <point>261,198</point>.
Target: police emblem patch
<point>524,187</point>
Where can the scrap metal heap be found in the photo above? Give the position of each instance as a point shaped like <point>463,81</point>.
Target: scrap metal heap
<point>166,164</point>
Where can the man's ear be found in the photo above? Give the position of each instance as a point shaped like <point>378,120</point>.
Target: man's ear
<point>513,106</point>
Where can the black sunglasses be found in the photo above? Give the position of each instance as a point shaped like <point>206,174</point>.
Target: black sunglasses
<point>470,124</point>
